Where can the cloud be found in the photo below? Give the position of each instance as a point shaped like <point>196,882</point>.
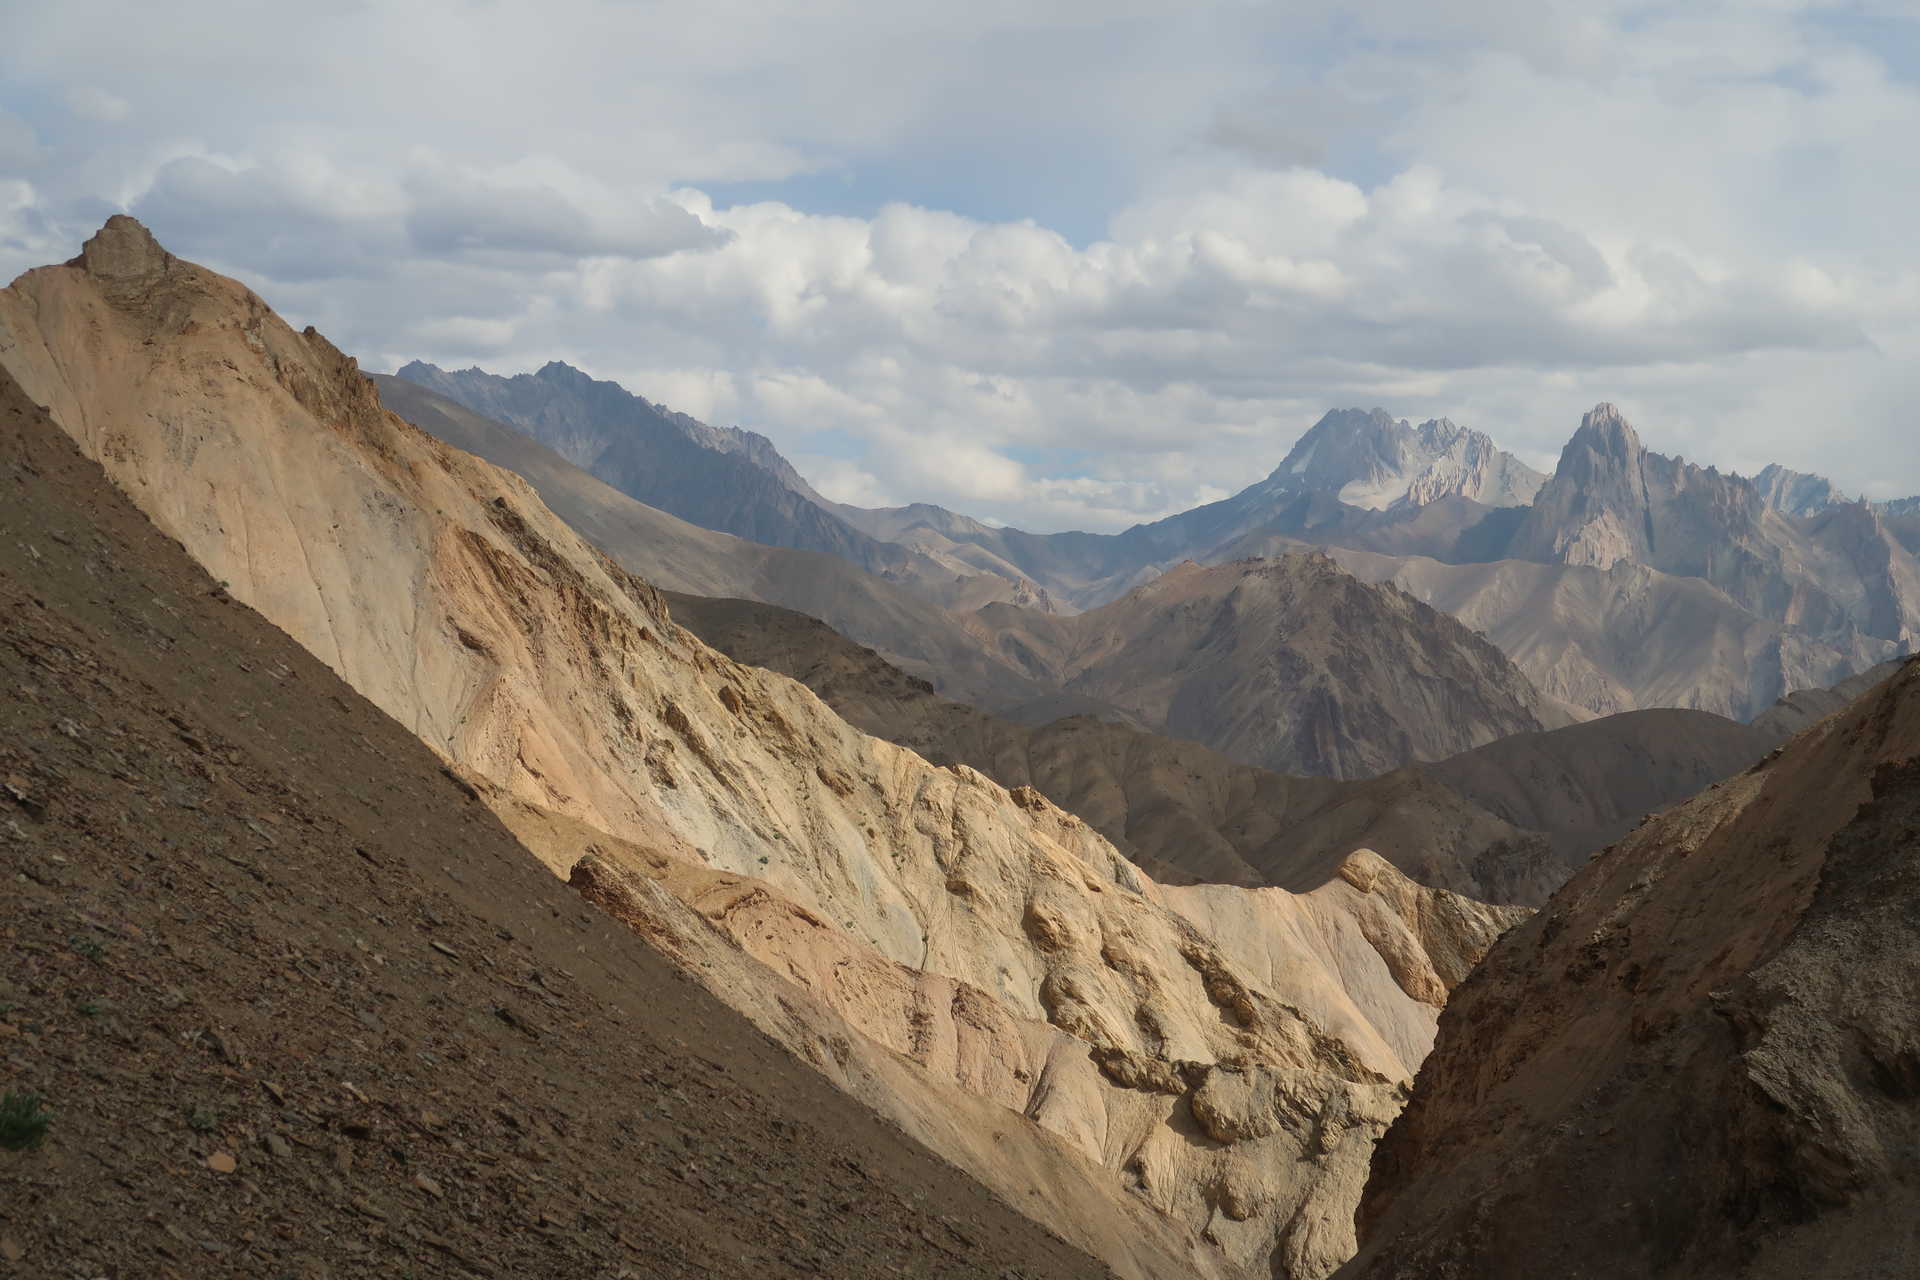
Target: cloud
<point>1065,263</point>
<point>96,104</point>
<point>453,211</point>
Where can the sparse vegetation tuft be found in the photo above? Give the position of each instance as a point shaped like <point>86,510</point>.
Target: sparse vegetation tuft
<point>23,1121</point>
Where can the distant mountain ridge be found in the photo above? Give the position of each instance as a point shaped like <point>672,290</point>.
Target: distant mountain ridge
<point>720,478</point>
<point>1757,587</point>
<point>1611,500</point>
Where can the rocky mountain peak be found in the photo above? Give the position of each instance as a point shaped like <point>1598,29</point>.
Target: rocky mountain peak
<point>1367,458</point>
<point>564,374</point>
<point>123,250</point>
<point>1796,492</point>
<point>1604,432</point>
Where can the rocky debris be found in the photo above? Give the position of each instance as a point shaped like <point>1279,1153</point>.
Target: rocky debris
<point>1698,1059</point>
<point>189,1002</point>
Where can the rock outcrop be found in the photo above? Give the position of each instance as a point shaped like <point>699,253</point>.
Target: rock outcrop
<point>1225,1064</point>
<point>1699,1058</point>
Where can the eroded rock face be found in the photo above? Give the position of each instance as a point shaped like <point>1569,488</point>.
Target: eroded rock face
<point>971,960</point>
<point>1699,1058</point>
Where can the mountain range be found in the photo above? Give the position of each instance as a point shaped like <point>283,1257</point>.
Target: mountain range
<point>1625,580</point>
<point>434,856</point>
<point>981,967</point>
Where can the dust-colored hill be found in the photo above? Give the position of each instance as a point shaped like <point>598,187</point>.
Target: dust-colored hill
<point>1585,785</point>
<point>1180,1081</point>
<point>1699,1059</point>
<point>1507,822</point>
<point>1006,661</point>
<point>1182,811</point>
<point>297,1004</point>
<point>1290,664</point>
<point>1632,581</point>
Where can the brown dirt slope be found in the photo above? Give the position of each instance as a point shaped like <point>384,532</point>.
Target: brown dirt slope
<point>250,917</point>
<point>1703,1057</point>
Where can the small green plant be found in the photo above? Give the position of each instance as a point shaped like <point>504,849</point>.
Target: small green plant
<point>203,1120</point>
<point>88,948</point>
<point>23,1124</point>
<point>91,1008</point>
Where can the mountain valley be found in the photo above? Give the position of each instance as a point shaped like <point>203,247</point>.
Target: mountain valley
<point>978,965</point>
<point>501,826</point>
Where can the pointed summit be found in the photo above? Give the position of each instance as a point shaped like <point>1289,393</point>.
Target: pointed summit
<point>1605,430</point>
<point>1595,510</point>
<point>123,250</point>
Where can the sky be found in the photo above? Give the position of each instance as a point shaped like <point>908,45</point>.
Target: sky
<point>1056,263</point>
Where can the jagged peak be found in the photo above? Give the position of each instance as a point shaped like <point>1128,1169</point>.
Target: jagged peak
<point>123,249</point>
<point>1604,425</point>
<point>560,370</point>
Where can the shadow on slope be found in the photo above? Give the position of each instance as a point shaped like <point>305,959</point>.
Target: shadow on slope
<point>298,1002</point>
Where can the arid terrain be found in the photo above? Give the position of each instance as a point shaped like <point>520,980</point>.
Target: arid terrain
<point>298,1004</point>
<point>409,884</point>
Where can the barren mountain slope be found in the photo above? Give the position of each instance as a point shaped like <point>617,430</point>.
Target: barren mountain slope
<point>670,553</point>
<point>1292,664</point>
<point>1617,639</point>
<point>1182,811</point>
<point>1002,946</point>
<point>251,918</point>
<point>1699,1059</point>
<point>1804,707</point>
<point>1507,822</point>
<point>1355,478</point>
<point>1586,785</point>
